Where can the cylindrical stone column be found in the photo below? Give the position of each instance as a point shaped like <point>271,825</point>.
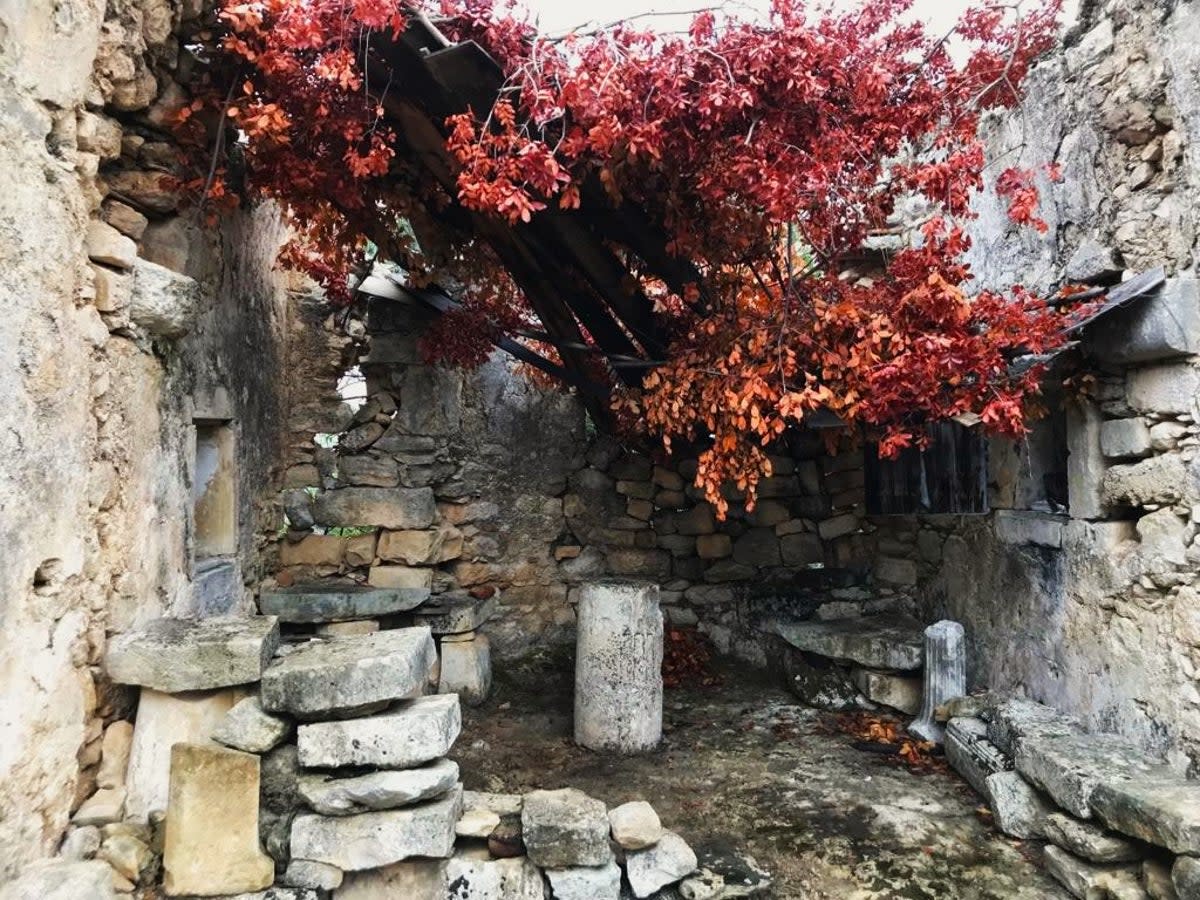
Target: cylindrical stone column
<point>618,667</point>
<point>945,676</point>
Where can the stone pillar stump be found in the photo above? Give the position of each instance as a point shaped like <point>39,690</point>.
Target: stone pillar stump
<point>945,676</point>
<point>618,667</point>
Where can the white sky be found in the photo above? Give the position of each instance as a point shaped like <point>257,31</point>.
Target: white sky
<point>556,16</point>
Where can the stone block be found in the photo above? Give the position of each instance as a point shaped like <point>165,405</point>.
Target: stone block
<point>411,580</point>
<point>327,602</point>
<point>374,839</point>
<point>360,549</point>
<point>838,526</point>
<point>212,817</point>
<point>586,882</point>
<point>456,614</point>
<point>1156,876</point>
<point>478,878</point>
<point>477,824</point>
<point>1185,875</point>
<point>894,691</point>
<point>176,655</point>
<point>668,861</point>
<point>1163,536</point>
<point>304,873</point>
<point>643,563</point>
<point>1014,720</point>
<point>565,828</point>
<point>114,754</point>
<point>313,550</point>
<point>125,219</point>
<point>416,879</point>
<point>112,289</point>
<point>618,669</point>
<point>876,642</point>
<point>59,880</point>
<point>696,521</point>
<point>891,570</point>
<point>250,728</point>
<point>347,629</point>
<point>346,674</point>
<point>387,789</point>
<point>635,825</point>
<point>971,754</point>
<point>105,806</point>
<point>1163,326</point>
<point>1017,807</point>
<point>368,471</point>
<point>164,720</point>
<point>1088,840</point>
<point>1125,439</point>
<point>758,547</point>
<point>1025,527</point>
<point>467,669</point>
<point>399,509</point>
<point>1168,389</point>
<point>1085,460</point>
<point>1091,880</point>
<point>1166,436</point>
<point>420,548</point>
<point>1161,480</point>
<point>163,303</point>
<point>416,732</point>
<point>1156,808</point>
<point>104,244</point>
<point>802,550</point>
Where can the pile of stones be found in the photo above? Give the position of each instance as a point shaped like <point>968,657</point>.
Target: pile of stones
<point>1118,822</point>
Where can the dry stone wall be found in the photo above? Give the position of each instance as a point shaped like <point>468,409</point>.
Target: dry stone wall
<point>123,326</point>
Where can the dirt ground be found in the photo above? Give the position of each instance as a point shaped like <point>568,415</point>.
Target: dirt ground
<point>742,767</point>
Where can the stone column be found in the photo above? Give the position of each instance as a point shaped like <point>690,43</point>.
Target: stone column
<point>618,667</point>
<point>945,676</point>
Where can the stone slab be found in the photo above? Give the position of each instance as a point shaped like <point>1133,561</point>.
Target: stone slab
<point>387,789</point>
<point>374,839</point>
<point>586,882</point>
<point>1161,810</point>
<point>473,878</point>
<point>345,674</point>
<point>467,669</point>
<point>897,692</point>
<point>455,615</point>
<point>565,828</point>
<point>211,844</point>
<point>248,727</point>
<point>1017,807</point>
<point>1088,840</point>
<point>177,655</point>
<point>321,603</point>
<point>971,754</point>
<point>668,861</point>
<point>1162,326</point>
<point>415,879</point>
<point>58,880</point>
<point>1089,881</point>
<point>1011,720</point>
<point>417,732</point>
<point>392,508</point>
<point>876,642</point>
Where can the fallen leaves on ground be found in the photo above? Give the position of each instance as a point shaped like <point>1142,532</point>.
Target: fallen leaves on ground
<point>886,736</point>
<point>687,659</point>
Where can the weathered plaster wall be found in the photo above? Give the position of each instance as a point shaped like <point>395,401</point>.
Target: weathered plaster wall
<point>106,360</point>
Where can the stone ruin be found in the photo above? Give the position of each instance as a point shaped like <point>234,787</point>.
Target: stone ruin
<point>178,456</point>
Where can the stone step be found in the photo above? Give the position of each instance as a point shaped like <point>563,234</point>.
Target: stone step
<point>876,642</point>
<point>320,603</point>
<point>343,675</point>
<point>178,655</point>
<point>455,613</point>
<point>421,730</point>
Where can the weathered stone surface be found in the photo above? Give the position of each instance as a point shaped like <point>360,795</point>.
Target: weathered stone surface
<point>618,669</point>
<point>1090,880</point>
<point>668,861</point>
<point>1163,389</point>
<point>1156,877</point>
<point>455,614</point>
<point>1163,535</point>
<point>714,546</point>
<point>501,804</point>
<point>477,823</point>
<point>472,878</point>
<point>337,602</point>
<point>164,720</point>
<point>1013,720</point>
<point>635,825</point>
<point>57,880</point>
<point>565,828</point>
<point>1156,808</point>
<point>1161,480</point>
<point>1164,326</point>
<point>105,806</point>
<point>421,548</point>
<point>177,655</point>
<point>345,674</point>
<point>944,676</point>
<point>304,873</point>
<point>757,547</point>
<point>802,549</point>
<point>467,669</point>
<point>586,882</point>
<point>353,628</point>
<point>81,843</point>
<point>127,851</point>
<point>248,727</point>
<point>1088,840</point>
<point>114,754</point>
<point>163,302</point>
<point>1125,439</point>
<point>387,789</point>
<point>409,579</point>
<point>106,245</point>
<point>877,642</point>
<point>1185,875</point>
<point>416,879</point>
<point>213,815</point>
<point>417,732</point>
<point>373,839</point>
<point>394,508</point>
<point>1017,807</point>
<point>895,691</point>
<point>971,754</point>
<point>1085,459</point>
<point>318,550</point>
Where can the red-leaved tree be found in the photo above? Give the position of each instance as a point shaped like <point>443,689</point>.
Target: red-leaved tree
<point>775,155</point>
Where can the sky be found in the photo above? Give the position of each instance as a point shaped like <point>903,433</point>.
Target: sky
<point>557,16</point>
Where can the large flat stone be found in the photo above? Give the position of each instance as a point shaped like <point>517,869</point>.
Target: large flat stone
<point>1088,840</point>
<point>565,828</point>
<point>211,845</point>
<point>455,614</point>
<point>387,789</point>
<point>1161,810</point>
<point>176,655</point>
<point>374,839</point>
<point>467,669</point>
<point>472,878</point>
<point>971,754</point>
<point>1012,720</point>
<point>421,730</point>
<point>877,642</point>
<point>338,602</point>
<point>1089,881</point>
<point>345,674</point>
<point>59,880</point>
<point>1162,326</point>
<point>416,879</point>
<point>392,508</point>
<point>1018,809</point>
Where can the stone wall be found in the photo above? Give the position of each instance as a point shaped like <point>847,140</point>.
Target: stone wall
<point>124,325</point>
<point>1094,610</point>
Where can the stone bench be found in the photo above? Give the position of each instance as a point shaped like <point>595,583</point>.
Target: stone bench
<point>875,642</point>
<point>320,603</point>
